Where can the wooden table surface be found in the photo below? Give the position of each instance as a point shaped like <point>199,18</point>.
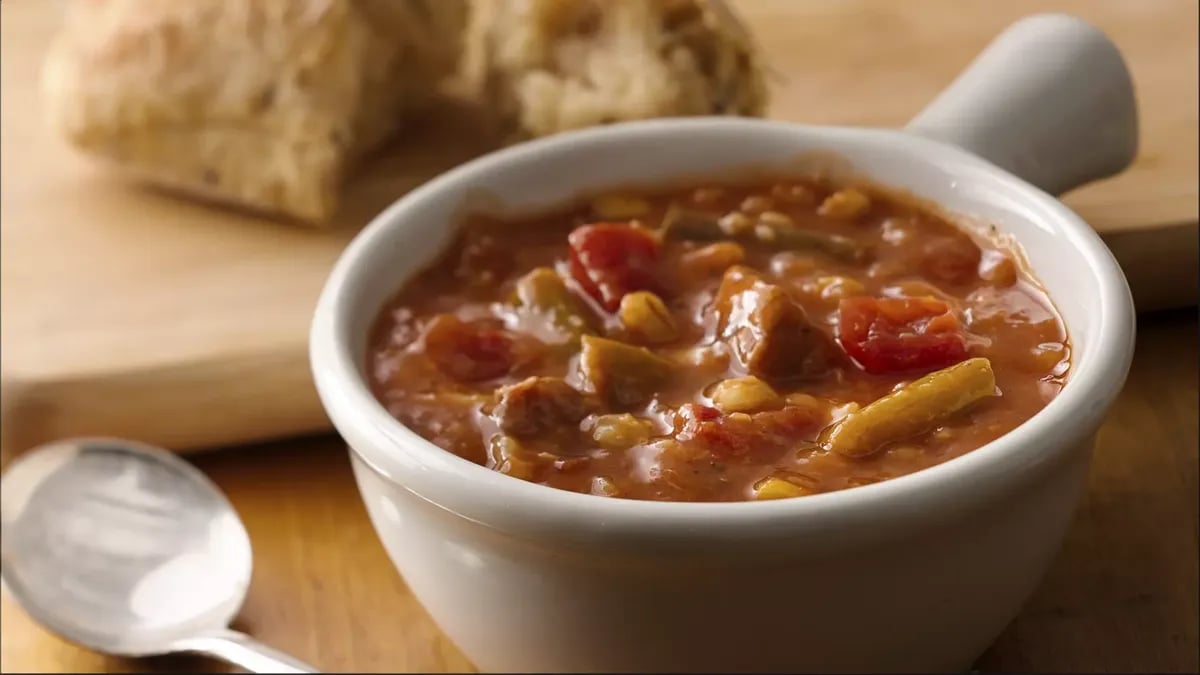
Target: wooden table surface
<point>1121,597</point>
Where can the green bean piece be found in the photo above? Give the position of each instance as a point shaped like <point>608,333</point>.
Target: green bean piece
<point>791,238</point>
<point>542,290</point>
<point>621,373</point>
<point>680,223</point>
<point>508,456</point>
<point>913,409</point>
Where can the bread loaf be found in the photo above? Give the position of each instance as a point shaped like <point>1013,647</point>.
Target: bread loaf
<point>262,103</point>
<point>553,65</point>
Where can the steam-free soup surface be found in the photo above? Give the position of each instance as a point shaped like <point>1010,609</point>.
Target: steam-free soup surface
<point>722,342</point>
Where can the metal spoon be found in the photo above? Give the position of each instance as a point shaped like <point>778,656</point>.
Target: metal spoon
<point>127,549</point>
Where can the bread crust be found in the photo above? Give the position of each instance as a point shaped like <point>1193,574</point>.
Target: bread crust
<point>266,104</point>
<point>554,65</point>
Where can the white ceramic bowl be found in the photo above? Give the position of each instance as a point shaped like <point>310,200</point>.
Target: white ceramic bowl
<point>920,572</point>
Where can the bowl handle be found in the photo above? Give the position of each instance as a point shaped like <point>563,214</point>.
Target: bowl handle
<point>1050,100</point>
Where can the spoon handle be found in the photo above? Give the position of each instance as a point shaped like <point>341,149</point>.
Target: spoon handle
<point>244,651</point>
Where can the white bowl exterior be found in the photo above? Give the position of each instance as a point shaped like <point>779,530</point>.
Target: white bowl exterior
<point>931,600</point>
<point>919,572</point>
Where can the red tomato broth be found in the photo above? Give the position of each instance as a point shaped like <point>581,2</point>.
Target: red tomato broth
<point>915,253</point>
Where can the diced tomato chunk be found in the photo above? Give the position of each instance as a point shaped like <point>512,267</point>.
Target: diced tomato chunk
<point>469,352</point>
<point>725,438</point>
<point>609,260</point>
<point>891,335</point>
<point>789,423</point>
<point>741,436</point>
<point>699,413</point>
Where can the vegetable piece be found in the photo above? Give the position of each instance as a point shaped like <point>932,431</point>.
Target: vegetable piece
<point>508,456</point>
<point>470,352</point>
<point>619,431</point>
<point>785,238</point>
<point>621,373</point>
<point>711,358</point>
<point>819,409</point>
<point>712,259</point>
<point>539,405</point>
<point>770,230</point>
<point>609,260</point>
<point>646,318</point>
<point>845,204</point>
<point>744,394</point>
<point>777,488</point>
<point>619,207</point>
<point>769,333</point>
<point>835,287</point>
<point>737,224</point>
<point>604,486</point>
<point>891,335</point>
<point>739,436</point>
<point>689,225</point>
<point>542,290</point>
<point>724,436</point>
<point>794,193</point>
<point>757,204</point>
<point>777,218</point>
<point>913,409</point>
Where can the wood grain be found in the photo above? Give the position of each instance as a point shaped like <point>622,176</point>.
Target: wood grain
<point>1122,596</point>
<point>131,313</point>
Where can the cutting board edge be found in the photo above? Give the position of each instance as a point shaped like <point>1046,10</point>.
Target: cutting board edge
<point>268,406</point>
<point>1143,259</point>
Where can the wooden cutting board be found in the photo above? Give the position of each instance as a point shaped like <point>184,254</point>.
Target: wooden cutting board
<point>131,313</point>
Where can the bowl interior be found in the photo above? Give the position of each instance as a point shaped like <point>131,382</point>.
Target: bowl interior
<point>1068,258</point>
<point>411,234</point>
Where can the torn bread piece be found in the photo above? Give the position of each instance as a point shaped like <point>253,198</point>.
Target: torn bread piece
<point>555,65</point>
<point>265,104</point>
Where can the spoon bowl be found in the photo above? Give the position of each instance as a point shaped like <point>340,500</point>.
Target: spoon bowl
<point>129,550</point>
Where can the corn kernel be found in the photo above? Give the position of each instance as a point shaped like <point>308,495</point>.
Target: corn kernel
<point>807,402</point>
<point>735,223</point>
<point>620,431</point>
<point>777,488</point>
<point>644,314</point>
<point>620,207</point>
<point>744,394</point>
<point>789,264</point>
<point>838,287</point>
<point>845,204</point>
<point>757,204</point>
<point>713,259</point>
<point>765,233</point>
<point>776,218</point>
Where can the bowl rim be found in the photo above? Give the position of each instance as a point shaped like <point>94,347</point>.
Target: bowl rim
<point>535,512</point>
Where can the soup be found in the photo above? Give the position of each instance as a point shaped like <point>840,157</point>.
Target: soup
<point>731,341</point>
